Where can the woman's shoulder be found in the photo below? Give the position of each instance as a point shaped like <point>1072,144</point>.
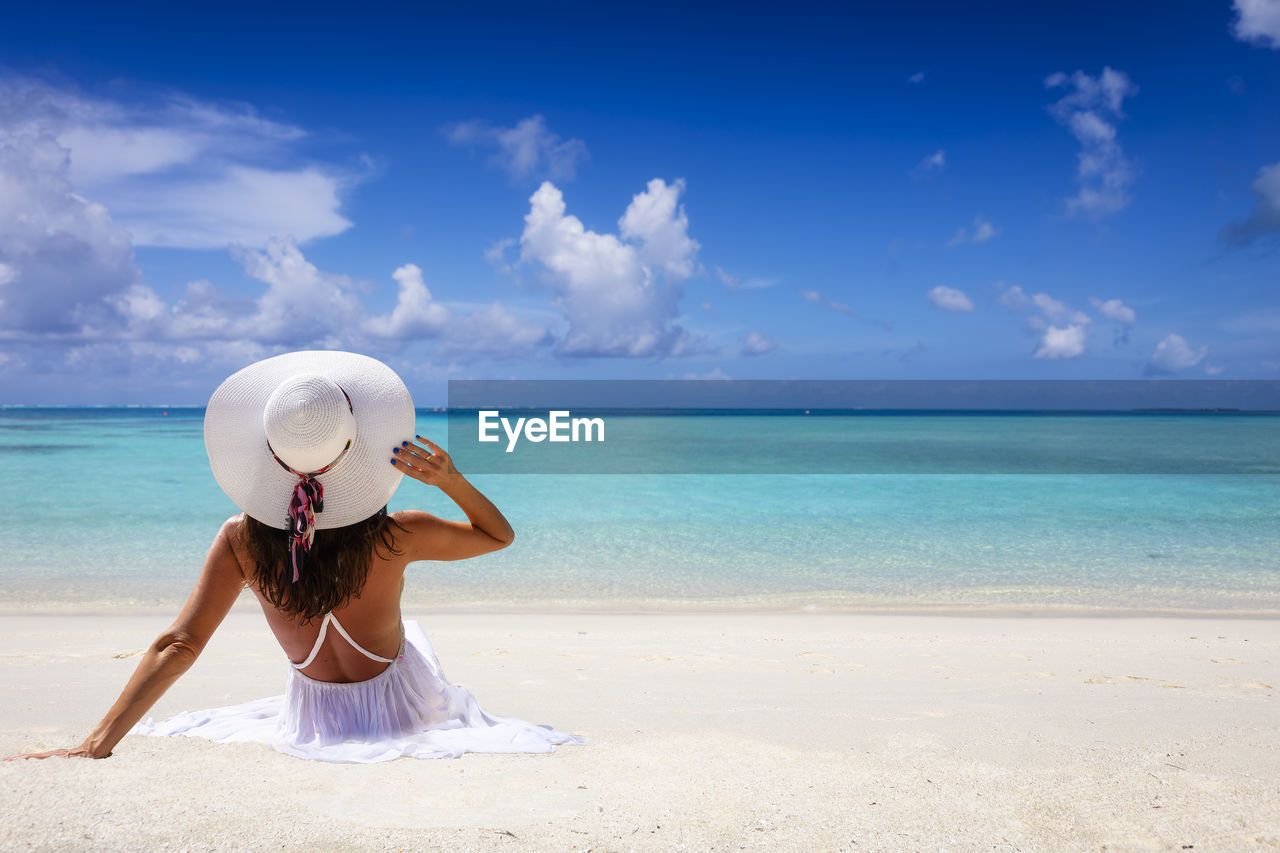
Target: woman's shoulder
<point>232,532</point>
<point>412,516</point>
<point>233,528</point>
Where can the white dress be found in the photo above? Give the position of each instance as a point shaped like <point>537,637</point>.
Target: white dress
<point>408,709</point>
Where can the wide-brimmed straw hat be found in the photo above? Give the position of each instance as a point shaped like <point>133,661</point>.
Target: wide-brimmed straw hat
<point>315,428</point>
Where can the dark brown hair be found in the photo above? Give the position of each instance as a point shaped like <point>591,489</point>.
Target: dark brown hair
<point>333,572</point>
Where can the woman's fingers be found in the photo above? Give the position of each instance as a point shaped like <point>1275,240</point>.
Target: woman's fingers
<point>50,754</point>
<point>423,462</point>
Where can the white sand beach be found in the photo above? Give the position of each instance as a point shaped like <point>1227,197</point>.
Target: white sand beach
<point>726,731</point>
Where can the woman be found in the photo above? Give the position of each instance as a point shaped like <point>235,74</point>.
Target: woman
<point>311,446</point>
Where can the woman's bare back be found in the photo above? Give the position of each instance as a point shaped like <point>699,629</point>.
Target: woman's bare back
<point>373,620</point>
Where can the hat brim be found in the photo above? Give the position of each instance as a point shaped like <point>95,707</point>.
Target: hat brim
<point>358,486</point>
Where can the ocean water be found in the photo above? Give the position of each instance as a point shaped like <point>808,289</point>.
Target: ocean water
<point>116,507</point>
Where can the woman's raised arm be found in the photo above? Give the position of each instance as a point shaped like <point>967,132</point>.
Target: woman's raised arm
<point>433,538</point>
<point>173,651</point>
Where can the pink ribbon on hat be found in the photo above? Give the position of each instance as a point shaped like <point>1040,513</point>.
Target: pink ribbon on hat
<point>307,500</point>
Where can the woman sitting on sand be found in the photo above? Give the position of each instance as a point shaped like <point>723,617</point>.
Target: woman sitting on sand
<point>311,446</point>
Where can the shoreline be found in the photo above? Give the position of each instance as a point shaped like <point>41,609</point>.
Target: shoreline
<point>797,604</point>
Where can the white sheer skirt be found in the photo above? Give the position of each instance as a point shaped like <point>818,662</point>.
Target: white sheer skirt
<point>408,710</point>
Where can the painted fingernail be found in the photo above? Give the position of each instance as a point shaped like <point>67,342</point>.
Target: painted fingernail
<point>395,450</point>
<point>393,461</point>
<point>404,444</point>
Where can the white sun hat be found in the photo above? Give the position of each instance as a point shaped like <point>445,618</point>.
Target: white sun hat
<point>331,417</point>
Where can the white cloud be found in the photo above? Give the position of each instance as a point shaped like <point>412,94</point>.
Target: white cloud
<point>496,254</point>
<point>934,163</point>
<point>415,314</point>
<point>1013,298</point>
<point>981,233</point>
<point>1264,221</point>
<point>1061,329</point>
<point>177,173</point>
<point>757,343</point>
<point>495,332</point>
<point>1257,22</point>
<point>1057,312</point>
<point>1061,342</point>
<point>527,150</point>
<point>242,205</point>
<point>949,299</point>
<point>1090,110</point>
<point>302,304</point>
<point>619,297</point>
<point>63,256</point>
<point>1122,315</point>
<point>1114,309</point>
<point>918,77</point>
<point>1173,355</point>
<point>1213,371</point>
<point>657,222</point>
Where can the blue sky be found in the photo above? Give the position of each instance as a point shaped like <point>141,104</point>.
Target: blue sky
<point>942,191</point>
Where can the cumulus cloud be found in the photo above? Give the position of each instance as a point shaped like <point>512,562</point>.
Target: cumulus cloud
<point>950,299</point>
<point>1174,355</point>
<point>931,165</point>
<point>1264,221</point>
<point>496,254</point>
<point>1090,110</point>
<point>179,173</point>
<point>1055,311</point>
<point>1114,309</point>
<point>1057,342</point>
<point>918,77</point>
<point>1257,22</point>
<point>657,223</point>
<point>416,314</point>
<point>758,343</point>
<point>1122,315</point>
<point>527,150</point>
<point>138,337</point>
<point>495,332</point>
<point>618,293</point>
<point>981,232</point>
<point>1061,330</point>
<point>63,256</point>
<point>301,304</point>
<point>1014,298</point>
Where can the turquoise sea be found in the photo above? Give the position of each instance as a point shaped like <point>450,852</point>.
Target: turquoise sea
<point>116,507</point>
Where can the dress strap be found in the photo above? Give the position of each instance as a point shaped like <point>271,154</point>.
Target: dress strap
<point>324,629</point>
<point>315,650</point>
<point>361,649</point>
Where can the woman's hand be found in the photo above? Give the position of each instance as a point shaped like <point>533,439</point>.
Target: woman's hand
<point>425,461</point>
<point>433,538</point>
<point>81,751</point>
